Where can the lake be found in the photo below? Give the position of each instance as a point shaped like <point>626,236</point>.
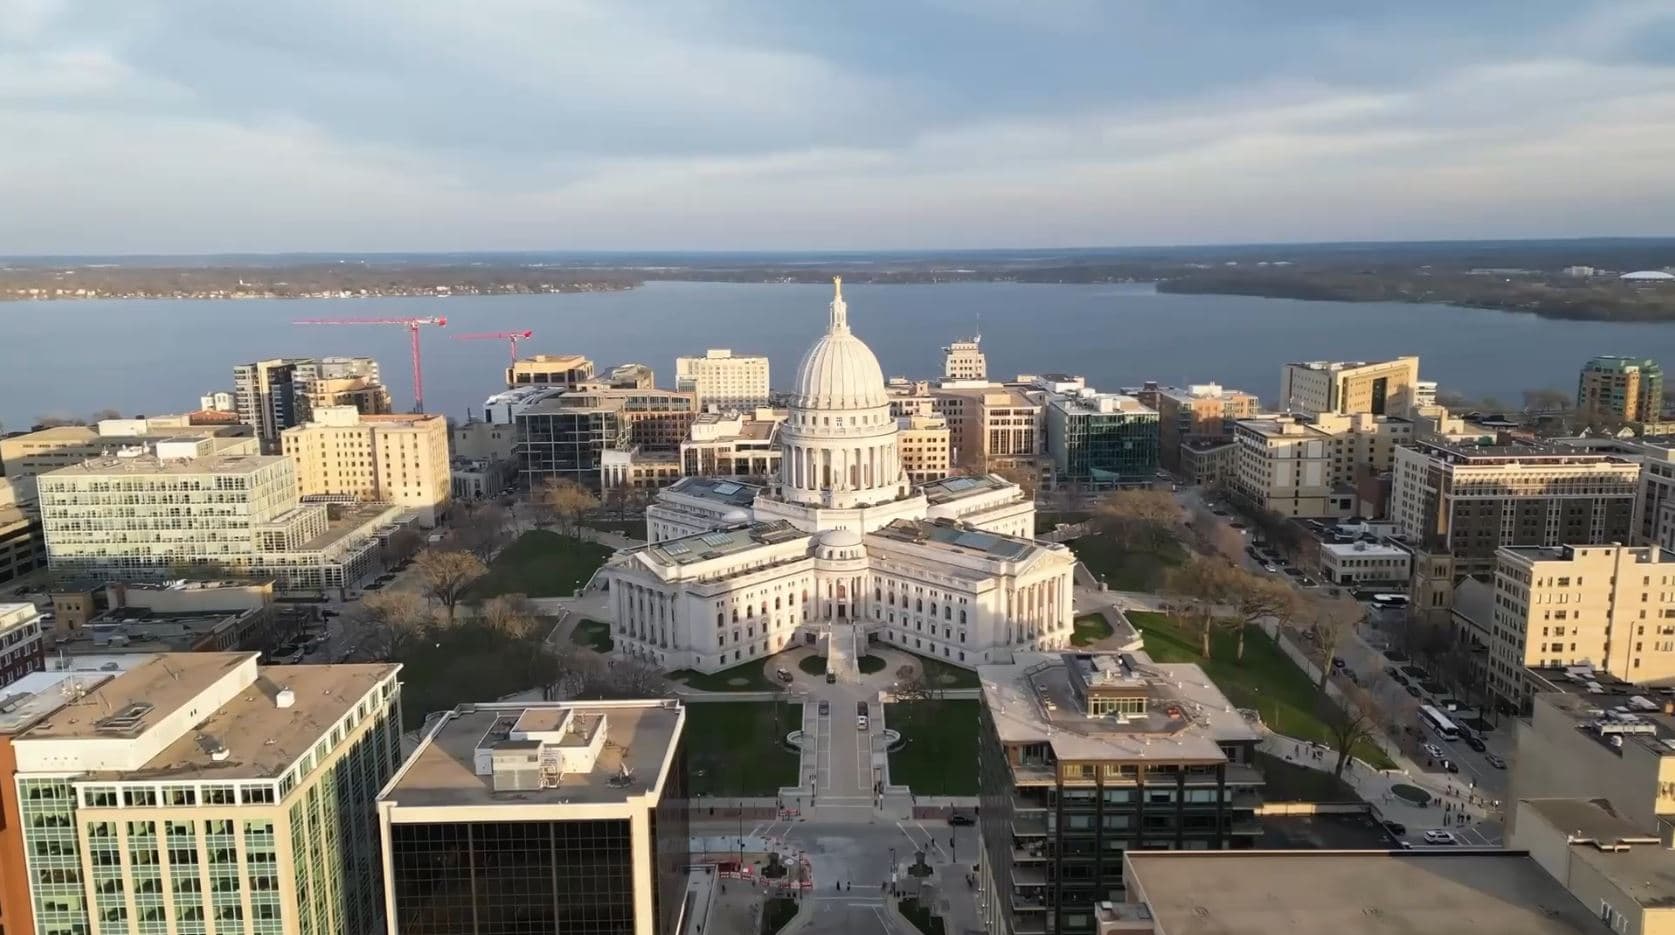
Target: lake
<point>140,356</point>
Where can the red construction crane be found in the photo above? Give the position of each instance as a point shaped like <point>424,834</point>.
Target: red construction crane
<point>510,337</point>
<point>411,324</point>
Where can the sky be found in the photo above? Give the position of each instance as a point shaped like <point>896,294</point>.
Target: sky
<point>203,126</point>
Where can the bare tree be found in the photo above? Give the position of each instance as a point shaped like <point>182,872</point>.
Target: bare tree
<point>445,575</point>
<point>1026,480</point>
<point>510,615</point>
<point>401,545</point>
<point>575,672</point>
<point>391,622</point>
<point>54,420</point>
<point>482,531</point>
<point>1214,537</point>
<point>566,501</point>
<point>632,678</point>
<point>1142,519</point>
<point>1202,583</point>
<point>1256,598</point>
<point>1328,621</point>
<point>1548,400</point>
<point>1353,718</point>
<point>103,414</point>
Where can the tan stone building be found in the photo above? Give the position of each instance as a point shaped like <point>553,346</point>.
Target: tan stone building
<point>990,425</point>
<point>722,380</point>
<point>1388,387</point>
<point>49,449</point>
<point>923,441</point>
<point>1610,607</point>
<point>398,459</point>
<point>565,370</point>
<point>364,395</point>
<point>1297,466</point>
<point>1202,411</point>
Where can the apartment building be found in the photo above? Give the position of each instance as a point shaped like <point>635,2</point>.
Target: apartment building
<point>1458,504</point>
<point>910,398</point>
<point>1610,607</point>
<point>989,425</point>
<point>1100,440</point>
<point>1381,388</point>
<point>721,380</point>
<point>925,449</point>
<point>397,459</point>
<point>565,435</point>
<point>963,359</point>
<point>22,547</point>
<point>363,394</point>
<point>197,792</point>
<point>565,371</point>
<point>1626,389</point>
<point>273,395</point>
<point>1654,505</point>
<point>583,805</point>
<point>145,516</point>
<point>1086,757</point>
<point>22,642</point>
<point>1295,465</point>
<point>1199,412</point>
<point>49,449</point>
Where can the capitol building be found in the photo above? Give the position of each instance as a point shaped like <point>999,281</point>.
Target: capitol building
<point>841,545</point>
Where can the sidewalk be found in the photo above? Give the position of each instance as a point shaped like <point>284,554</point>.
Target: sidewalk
<point>1375,786</point>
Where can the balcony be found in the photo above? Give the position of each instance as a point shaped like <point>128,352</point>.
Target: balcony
<point>1246,827</point>
<point>1029,826</point>
<point>1027,876</point>
<point>1031,853</point>
<point>1032,901</point>
<point>1030,923</point>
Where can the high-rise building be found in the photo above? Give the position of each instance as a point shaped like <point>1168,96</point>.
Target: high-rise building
<point>1627,389</point>
<point>924,447</point>
<point>1388,387</point>
<point>566,434</point>
<point>399,459</point>
<point>1457,504</point>
<point>1610,607</point>
<point>990,425</point>
<point>1299,466</point>
<point>1084,757</point>
<point>551,817</point>
<point>721,380</point>
<point>197,792</point>
<point>1100,440</point>
<point>556,370</point>
<point>964,360</point>
<point>1200,412</point>
<point>273,395</point>
<point>147,516</point>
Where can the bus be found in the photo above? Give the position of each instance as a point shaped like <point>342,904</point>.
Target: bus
<point>1439,722</point>
<point>1389,601</point>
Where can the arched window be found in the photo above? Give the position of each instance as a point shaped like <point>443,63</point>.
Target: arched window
<point>919,605</point>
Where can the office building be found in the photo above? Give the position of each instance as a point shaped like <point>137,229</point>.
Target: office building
<point>1457,504</point>
<point>910,398</point>
<point>219,401</point>
<point>484,441</point>
<point>49,449</point>
<point>564,371</point>
<point>22,548</point>
<point>396,459</point>
<point>841,543</point>
<point>1383,388</point>
<point>146,516</point>
<point>925,448</point>
<point>1209,463</point>
<point>1296,465</point>
<point>963,360</point>
<point>989,425</point>
<point>1439,891</point>
<point>733,444</point>
<point>22,642</point>
<point>1611,607</point>
<point>1195,413</point>
<point>1086,757</point>
<point>199,792</point>
<point>1100,440</point>
<point>1654,506</point>
<point>626,377</point>
<point>1603,861</point>
<point>552,817</point>
<point>721,380</point>
<point>638,469</point>
<point>565,435</point>
<point>1363,564</point>
<point>1623,389</point>
<point>273,395</point>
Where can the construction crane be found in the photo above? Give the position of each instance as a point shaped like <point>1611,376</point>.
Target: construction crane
<point>411,324</point>
<point>510,337</point>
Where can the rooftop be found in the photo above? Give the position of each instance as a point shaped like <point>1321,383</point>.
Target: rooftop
<point>136,629</point>
<point>640,737</point>
<point>1642,555</point>
<point>1490,455</point>
<point>1366,892</point>
<point>719,489</point>
<point>38,694</point>
<point>721,543</point>
<point>1036,700</point>
<point>949,489</point>
<point>1611,711</point>
<point>148,464</point>
<point>1589,821</point>
<point>1631,858</point>
<point>1363,549</point>
<point>960,537</point>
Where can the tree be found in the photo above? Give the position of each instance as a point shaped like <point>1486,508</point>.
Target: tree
<point>1202,583</point>
<point>402,545</point>
<point>616,500</point>
<point>1026,480</point>
<point>482,530</point>
<point>510,615</point>
<point>1141,519</point>
<point>104,414</point>
<point>1255,598</point>
<point>1548,400</point>
<point>566,501</point>
<point>1214,537</point>
<point>52,420</point>
<point>391,622</point>
<point>1353,718</point>
<point>445,574</point>
<point>1329,620</point>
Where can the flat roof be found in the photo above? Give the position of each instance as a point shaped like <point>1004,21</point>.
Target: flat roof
<point>960,537</point>
<point>151,464</point>
<point>164,683</point>
<point>1589,820</point>
<point>1363,549</point>
<point>1032,701</point>
<point>639,736</point>
<point>1367,892</point>
<point>38,694</point>
<point>950,489</point>
<point>1461,453</point>
<point>704,546</point>
<point>718,489</point>
<point>1605,707</point>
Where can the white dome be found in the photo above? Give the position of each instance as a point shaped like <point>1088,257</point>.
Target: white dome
<point>840,539</point>
<point>734,517</point>
<point>839,372</point>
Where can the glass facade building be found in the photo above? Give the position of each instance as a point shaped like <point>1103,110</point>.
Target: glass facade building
<point>1101,440</point>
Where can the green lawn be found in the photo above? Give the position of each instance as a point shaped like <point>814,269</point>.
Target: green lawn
<point>1090,629</point>
<point>870,664</point>
<point>1267,680</point>
<point>593,634</point>
<point>813,664</point>
<point>777,913</point>
<point>920,916</point>
<point>1125,569</point>
<point>541,563</point>
<point>468,662</point>
<point>941,674</point>
<point>746,677</point>
<point>733,747</point>
<point>939,756</point>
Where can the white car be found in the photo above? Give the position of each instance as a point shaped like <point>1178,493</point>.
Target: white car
<point>1271,569</point>
<point>1433,751</point>
<point>1437,836</point>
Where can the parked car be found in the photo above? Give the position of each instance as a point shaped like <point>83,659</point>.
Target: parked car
<point>831,678</point>
<point>1495,761</point>
<point>1475,744</point>
<point>1337,662</point>
<point>783,675</point>
<point>1433,751</point>
<point>1308,582</point>
<point>1438,836</point>
<point>1395,673</point>
<point>1271,569</point>
<point>961,819</point>
<point>1413,690</point>
<point>1451,766</point>
<point>1395,827</point>
<point>825,707</point>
